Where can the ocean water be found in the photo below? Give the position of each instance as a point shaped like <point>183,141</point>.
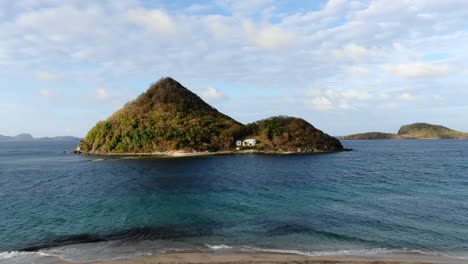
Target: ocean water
<point>385,197</point>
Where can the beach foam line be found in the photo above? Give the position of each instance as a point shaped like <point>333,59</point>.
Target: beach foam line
<point>12,254</point>
<point>332,253</point>
<point>215,247</point>
<point>17,257</point>
<point>347,252</point>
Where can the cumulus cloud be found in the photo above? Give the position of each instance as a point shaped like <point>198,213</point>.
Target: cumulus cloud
<point>417,70</point>
<point>268,36</point>
<point>247,45</point>
<point>101,94</point>
<point>155,19</point>
<point>212,94</point>
<point>344,99</point>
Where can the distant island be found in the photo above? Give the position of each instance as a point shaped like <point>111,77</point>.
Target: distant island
<point>29,137</point>
<point>413,131</point>
<point>169,119</point>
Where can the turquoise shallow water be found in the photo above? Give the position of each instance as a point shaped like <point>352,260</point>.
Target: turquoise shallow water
<point>384,197</point>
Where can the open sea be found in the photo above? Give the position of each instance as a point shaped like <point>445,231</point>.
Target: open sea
<point>385,197</point>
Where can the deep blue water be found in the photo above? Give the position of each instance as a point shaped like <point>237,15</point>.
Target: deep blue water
<point>383,197</point>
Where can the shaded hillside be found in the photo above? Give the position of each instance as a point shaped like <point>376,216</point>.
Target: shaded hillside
<point>169,117</point>
<point>292,134</point>
<point>413,131</point>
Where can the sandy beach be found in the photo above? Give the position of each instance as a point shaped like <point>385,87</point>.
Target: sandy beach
<point>264,258</point>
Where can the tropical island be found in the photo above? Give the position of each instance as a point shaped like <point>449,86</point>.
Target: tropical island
<point>169,119</point>
<point>413,131</point>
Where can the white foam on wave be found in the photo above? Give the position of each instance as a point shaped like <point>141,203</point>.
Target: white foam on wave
<point>347,252</point>
<point>115,250</point>
<point>218,246</point>
<point>22,257</point>
<point>12,254</point>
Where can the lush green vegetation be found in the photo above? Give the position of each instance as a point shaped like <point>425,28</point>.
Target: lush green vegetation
<point>283,133</point>
<point>413,131</point>
<point>166,117</point>
<point>170,117</point>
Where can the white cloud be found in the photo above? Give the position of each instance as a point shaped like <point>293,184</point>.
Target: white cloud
<point>44,92</point>
<point>251,46</point>
<point>321,103</point>
<point>407,97</point>
<point>354,52</point>
<point>155,19</point>
<point>101,94</point>
<point>349,95</point>
<point>343,99</point>
<point>46,76</point>
<point>417,70</point>
<point>346,106</point>
<point>268,36</point>
<point>212,94</point>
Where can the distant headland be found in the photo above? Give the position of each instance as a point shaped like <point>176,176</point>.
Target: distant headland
<point>413,131</point>
<point>169,119</point>
<point>29,137</point>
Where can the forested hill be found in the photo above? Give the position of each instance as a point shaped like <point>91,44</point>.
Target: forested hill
<point>425,130</point>
<point>169,117</point>
<point>413,131</point>
<point>166,117</point>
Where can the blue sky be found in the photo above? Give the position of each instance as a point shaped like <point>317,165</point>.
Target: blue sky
<point>345,66</point>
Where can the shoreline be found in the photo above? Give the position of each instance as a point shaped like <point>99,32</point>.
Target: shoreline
<point>274,258</point>
<point>175,154</point>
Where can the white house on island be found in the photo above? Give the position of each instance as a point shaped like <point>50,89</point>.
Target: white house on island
<point>250,142</point>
